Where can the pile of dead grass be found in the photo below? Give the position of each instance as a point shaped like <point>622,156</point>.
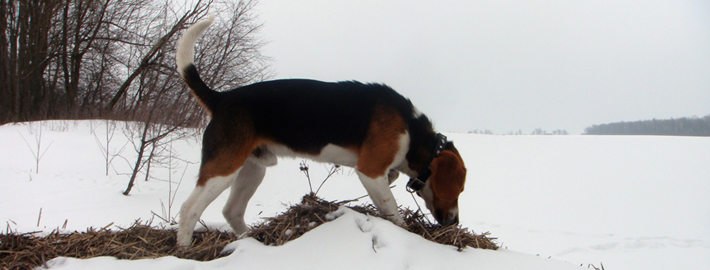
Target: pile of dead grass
<point>311,212</point>
<point>26,251</point>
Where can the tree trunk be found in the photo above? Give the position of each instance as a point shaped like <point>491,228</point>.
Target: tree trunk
<point>139,159</point>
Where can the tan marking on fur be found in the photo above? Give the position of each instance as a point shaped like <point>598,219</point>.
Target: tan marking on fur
<point>204,105</point>
<point>442,207</point>
<point>381,142</point>
<point>447,182</point>
<point>228,160</point>
<point>448,175</point>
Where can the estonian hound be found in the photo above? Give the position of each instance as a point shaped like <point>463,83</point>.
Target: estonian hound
<point>366,126</point>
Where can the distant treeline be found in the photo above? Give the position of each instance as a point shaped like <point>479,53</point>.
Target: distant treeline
<point>537,131</point>
<point>693,126</point>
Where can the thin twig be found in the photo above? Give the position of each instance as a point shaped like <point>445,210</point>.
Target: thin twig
<point>40,216</point>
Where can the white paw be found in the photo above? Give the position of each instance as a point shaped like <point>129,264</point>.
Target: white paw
<point>184,239</point>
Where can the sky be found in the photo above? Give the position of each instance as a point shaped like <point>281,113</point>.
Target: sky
<point>505,66</point>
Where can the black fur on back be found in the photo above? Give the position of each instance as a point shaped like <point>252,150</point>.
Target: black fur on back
<point>306,115</point>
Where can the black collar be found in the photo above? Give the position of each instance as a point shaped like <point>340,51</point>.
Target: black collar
<point>417,183</point>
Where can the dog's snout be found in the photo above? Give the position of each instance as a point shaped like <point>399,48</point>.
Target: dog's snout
<point>451,217</point>
<point>452,220</point>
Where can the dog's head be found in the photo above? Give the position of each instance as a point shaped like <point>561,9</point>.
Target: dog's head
<point>441,191</point>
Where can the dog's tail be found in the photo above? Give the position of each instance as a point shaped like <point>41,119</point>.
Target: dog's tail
<point>185,58</point>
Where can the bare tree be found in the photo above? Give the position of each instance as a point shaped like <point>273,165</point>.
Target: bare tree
<point>105,146</point>
<point>153,132</point>
<point>100,58</point>
<point>25,55</point>
<point>114,59</point>
<point>36,151</point>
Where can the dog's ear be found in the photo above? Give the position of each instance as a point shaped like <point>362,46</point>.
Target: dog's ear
<point>448,175</point>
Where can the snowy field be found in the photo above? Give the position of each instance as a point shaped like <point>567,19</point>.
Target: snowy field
<point>554,202</point>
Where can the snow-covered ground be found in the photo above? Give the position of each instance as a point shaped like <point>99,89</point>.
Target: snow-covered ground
<point>554,202</point>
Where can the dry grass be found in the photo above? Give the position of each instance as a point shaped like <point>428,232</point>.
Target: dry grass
<point>26,251</point>
<point>310,213</point>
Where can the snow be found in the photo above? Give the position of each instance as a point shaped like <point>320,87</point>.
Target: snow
<point>352,241</point>
<point>554,202</point>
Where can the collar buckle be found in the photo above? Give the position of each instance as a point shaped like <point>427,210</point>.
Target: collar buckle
<point>415,185</point>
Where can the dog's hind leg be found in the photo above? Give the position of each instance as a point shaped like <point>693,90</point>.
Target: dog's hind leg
<point>248,180</point>
<point>221,164</point>
<point>199,199</point>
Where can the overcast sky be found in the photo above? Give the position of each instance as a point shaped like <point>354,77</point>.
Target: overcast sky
<point>505,65</point>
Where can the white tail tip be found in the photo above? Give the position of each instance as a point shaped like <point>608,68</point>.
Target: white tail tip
<point>186,45</point>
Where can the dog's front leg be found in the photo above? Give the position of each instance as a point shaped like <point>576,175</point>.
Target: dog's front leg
<point>381,196</point>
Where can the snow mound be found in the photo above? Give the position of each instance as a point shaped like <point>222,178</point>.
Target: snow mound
<point>351,241</point>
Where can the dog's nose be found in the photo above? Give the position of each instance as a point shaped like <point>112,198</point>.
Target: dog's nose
<point>451,221</point>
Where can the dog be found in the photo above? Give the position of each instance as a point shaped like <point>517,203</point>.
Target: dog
<point>369,127</point>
